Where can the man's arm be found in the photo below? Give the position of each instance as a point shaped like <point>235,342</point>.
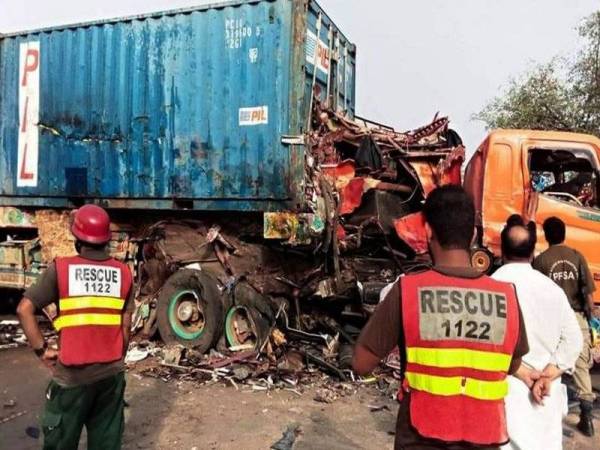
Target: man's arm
<point>363,361</point>
<point>26,314</point>
<point>589,285</point>
<point>538,264</point>
<point>522,347</point>
<point>381,334</point>
<point>570,342</point>
<point>518,368</point>
<point>126,324</point>
<point>41,294</point>
<point>127,317</point>
<point>527,374</point>
<point>567,350</point>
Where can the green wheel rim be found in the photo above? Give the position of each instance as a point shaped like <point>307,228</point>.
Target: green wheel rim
<point>229,325</point>
<point>182,330</point>
<point>229,332</point>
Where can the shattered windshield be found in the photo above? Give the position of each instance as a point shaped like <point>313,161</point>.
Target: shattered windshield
<point>567,175</point>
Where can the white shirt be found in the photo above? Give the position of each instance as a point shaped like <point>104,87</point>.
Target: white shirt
<point>554,337</point>
<point>552,330</point>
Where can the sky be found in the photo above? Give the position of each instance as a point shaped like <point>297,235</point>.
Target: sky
<point>414,57</point>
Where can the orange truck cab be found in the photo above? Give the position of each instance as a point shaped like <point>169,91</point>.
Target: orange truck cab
<point>538,174</point>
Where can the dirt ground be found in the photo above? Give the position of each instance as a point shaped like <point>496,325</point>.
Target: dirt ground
<point>182,416</point>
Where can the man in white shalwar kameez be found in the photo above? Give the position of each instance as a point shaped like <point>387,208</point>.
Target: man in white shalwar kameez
<point>555,342</point>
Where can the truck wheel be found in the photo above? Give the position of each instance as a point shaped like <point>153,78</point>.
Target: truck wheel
<point>245,326</point>
<point>190,310</point>
<point>481,260</point>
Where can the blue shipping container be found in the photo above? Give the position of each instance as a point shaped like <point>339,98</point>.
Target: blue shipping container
<point>185,107</point>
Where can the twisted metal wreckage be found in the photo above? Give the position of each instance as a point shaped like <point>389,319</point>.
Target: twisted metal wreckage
<point>308,287</point>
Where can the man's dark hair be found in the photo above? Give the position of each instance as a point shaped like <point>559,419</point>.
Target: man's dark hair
<point>555,231</point>
<point>451,215</point>
<point>518,238</point>
<point>79,244</point>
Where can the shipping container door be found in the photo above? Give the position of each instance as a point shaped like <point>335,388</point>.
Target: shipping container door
<point>230,95</point>
<point>333,56</point>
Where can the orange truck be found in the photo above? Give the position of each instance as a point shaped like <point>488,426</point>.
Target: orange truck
<point>537,174</point>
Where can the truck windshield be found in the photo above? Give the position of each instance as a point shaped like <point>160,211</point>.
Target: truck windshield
<point>568,175</point>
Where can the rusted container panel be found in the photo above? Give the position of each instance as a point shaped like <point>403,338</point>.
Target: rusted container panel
<point>185,108</point>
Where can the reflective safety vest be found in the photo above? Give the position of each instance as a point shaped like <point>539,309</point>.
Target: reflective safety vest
<point>92,296</point>
<point>460,335</point>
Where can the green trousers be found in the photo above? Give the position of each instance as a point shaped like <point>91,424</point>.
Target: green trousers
<point>97,406</point>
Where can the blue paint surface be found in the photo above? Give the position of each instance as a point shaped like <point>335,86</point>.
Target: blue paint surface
<point>146,109</point>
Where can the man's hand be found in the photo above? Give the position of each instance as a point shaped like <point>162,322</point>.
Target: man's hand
<point>541,389</point>
<point>363,361</point>
<point>528,375</point>
<point>552,372</point>
<point>49,358</point>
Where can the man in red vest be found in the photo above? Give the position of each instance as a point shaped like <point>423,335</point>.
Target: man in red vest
<point>459,333</point>
<point>95,302</point>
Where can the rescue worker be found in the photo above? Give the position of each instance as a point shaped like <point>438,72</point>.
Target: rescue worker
<point>568,268</point>
<point>555,343</point>
<point>94,295</point>
<point>459,333</point>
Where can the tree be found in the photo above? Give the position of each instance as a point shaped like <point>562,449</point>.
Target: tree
<point>560,95</point>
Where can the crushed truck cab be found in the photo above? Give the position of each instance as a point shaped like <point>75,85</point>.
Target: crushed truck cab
<point>538,174</point>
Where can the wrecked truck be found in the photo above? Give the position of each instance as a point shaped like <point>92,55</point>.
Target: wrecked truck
<point>245,192</point>
<point>538,174</point>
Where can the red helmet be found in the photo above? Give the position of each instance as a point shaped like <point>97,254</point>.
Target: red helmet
<point>91,224</point>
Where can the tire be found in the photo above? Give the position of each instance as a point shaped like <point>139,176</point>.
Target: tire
<point>256,327</point>
<point>179,319</point>
<point>482,260</point>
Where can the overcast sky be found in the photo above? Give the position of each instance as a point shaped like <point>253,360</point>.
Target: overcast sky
<point>414,57</point>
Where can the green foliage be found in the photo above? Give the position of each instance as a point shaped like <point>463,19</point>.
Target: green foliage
<point>561,95</point>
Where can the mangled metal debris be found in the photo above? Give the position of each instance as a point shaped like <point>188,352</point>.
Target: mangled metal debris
<point>288,439</point>
<point>298,298</point>
<point>11,335</point>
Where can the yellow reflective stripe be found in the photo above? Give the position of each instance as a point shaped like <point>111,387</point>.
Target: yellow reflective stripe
<point>68,304</point>
<point>447,386</point>
<point>459,357</point>
<point>77,320</point>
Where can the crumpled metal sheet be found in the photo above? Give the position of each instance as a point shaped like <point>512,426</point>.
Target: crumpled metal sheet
<point>409,165</point>
<point>360,202</point>
<point>411,229</point>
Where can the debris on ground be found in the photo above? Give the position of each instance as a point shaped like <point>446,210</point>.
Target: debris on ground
<point>12,417</point>
<point>365,187</point>
<point>33,432</point>
<point>286,310</point>
<point>12,335</point>
<point>377,408</point>
<point>293,304</point>
<point>324,395</point>
<point>172,355</point>
<point>288,439</point>
<point>136,354</point>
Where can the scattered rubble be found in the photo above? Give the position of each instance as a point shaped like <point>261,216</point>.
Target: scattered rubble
<point>277,312</point>
<point>288,439</point>
<point>12,417</point>
<point>33,432</point>
<point>325,396</point>
<point>12,335</point>
<point>296,300</point>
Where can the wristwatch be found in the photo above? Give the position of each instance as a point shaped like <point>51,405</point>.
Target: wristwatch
<point>39,352</point>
